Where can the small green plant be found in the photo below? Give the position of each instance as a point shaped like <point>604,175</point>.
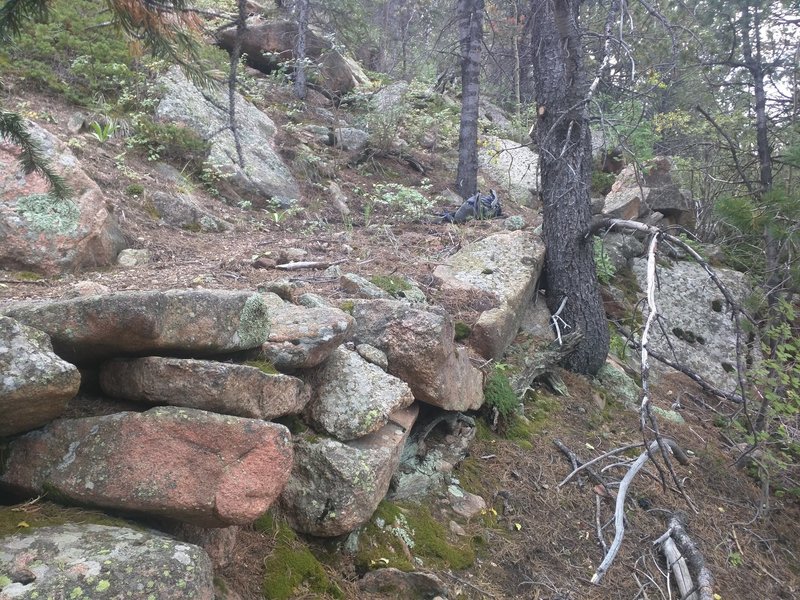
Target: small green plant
<point>103,132</point>
<point>134,189</point>
<point>500,396</point>
<point>462,330</point>
<point>391,285</point>
<point>404,204</point>
<point>602,261</point>
<point>735,559</point>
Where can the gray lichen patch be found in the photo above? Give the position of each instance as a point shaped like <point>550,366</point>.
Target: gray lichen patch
<point>47,214</point>
<point>254,322</point>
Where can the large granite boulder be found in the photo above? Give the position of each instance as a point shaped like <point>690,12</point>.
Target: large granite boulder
<point>185,464</point>
<point>352,398</point>
<point>226,388</point>
<point>39,233</point>
<point>189,322</point>
<point>36,384</point>
<point>336,486</point>
<point>420,348</point>
<point>638,192</point>
<point>269,45</point>
<point>302,338</point>
<point>97,561</point>
<point>184,211</point>
<point>697,319</point>
<point>504,265</point>
<point>264,177</point>
<point>513,166</point>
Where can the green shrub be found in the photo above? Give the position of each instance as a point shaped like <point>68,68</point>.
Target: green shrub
<point>602,262</point>
<point>71,53</point>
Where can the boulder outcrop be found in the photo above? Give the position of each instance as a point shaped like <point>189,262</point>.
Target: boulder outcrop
<point>189,465</point>
<point>505,266</point>
<point>98,561</point>
<point>188,322</point>
<point>336,486</point>
<point>420,348</point>
<point>225,388</point>
<point>36,384</point>
<point>41,234</point>
<point>265,176</point>
<point>353,398</point>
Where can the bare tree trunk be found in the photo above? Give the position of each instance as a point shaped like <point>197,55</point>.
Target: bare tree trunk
<point>470,15</point>
<point>564,143</point>
<point>236,53</point>
<point>300,50</point>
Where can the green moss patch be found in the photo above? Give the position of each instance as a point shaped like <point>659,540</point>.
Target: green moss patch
<point>264,366</point>
<point>463,331</point>
<point>291,568</point>
<point>22,517</point>
<point>399,535</point>
<point>500,396</point>
<point>391,285</point>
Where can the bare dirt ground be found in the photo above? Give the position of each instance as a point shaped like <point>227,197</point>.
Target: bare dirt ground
<point>543,543</point>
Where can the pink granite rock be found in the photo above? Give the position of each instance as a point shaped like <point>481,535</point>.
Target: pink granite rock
<point>38,233</point>
<point>189,465</point>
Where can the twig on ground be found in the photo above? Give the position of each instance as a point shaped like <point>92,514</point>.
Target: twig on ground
<point>686,562</point>
<point>619,511</point>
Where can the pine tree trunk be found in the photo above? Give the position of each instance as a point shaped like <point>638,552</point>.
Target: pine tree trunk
<point>470,15</point>
<point>300,87</point>
<point>564,143</point>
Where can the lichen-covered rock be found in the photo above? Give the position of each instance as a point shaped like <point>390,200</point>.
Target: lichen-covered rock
<point>360,287</point>
<point>419,344</point>
<point>302,338</point>
<point>638,192</point>
<point>41,234</point>
<point>182,210</point>
<point>133,257</point>
<point>336,486</point>
<point>514,166</point>
<point>193,322</point>
<point>352,398</point>
<point>35,384</point>
<point>226,388</point>
<point>265,176</point>
<point>505,265</point>
<point>189,465</point>
<point>96,561</point>
<point>695,315</point>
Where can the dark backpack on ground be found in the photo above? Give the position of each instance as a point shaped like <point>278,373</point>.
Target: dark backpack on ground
<point>475,207</point>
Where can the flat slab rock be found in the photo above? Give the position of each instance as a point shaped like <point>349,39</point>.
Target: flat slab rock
<point>302,338</point>
<point>226,388</point>
<point>189,465</point>
<point>336,486</point>
<point>420,348</point>
<point>97,561</point>
<point>507,266</point>
<point>36,384</point>
<point>189,322</point>
<point>697,318</point>
<point>352,398</point>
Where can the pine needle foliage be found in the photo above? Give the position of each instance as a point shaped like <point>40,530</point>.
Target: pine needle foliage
<point>12,128</point>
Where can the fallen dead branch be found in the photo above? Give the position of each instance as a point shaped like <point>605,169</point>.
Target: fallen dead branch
<point>308,264</point>
<point>619,510</point>
<point>685,561</point>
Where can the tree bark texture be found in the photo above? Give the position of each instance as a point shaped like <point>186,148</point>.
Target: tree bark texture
<point>470,27</point>
<point>564,143</point>
<point>300,87</point>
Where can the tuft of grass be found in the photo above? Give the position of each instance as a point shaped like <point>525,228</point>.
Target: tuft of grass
<point>264,366</point>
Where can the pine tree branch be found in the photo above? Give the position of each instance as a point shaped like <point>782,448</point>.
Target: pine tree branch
<point>15,13</point>
<point>13,129</point>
